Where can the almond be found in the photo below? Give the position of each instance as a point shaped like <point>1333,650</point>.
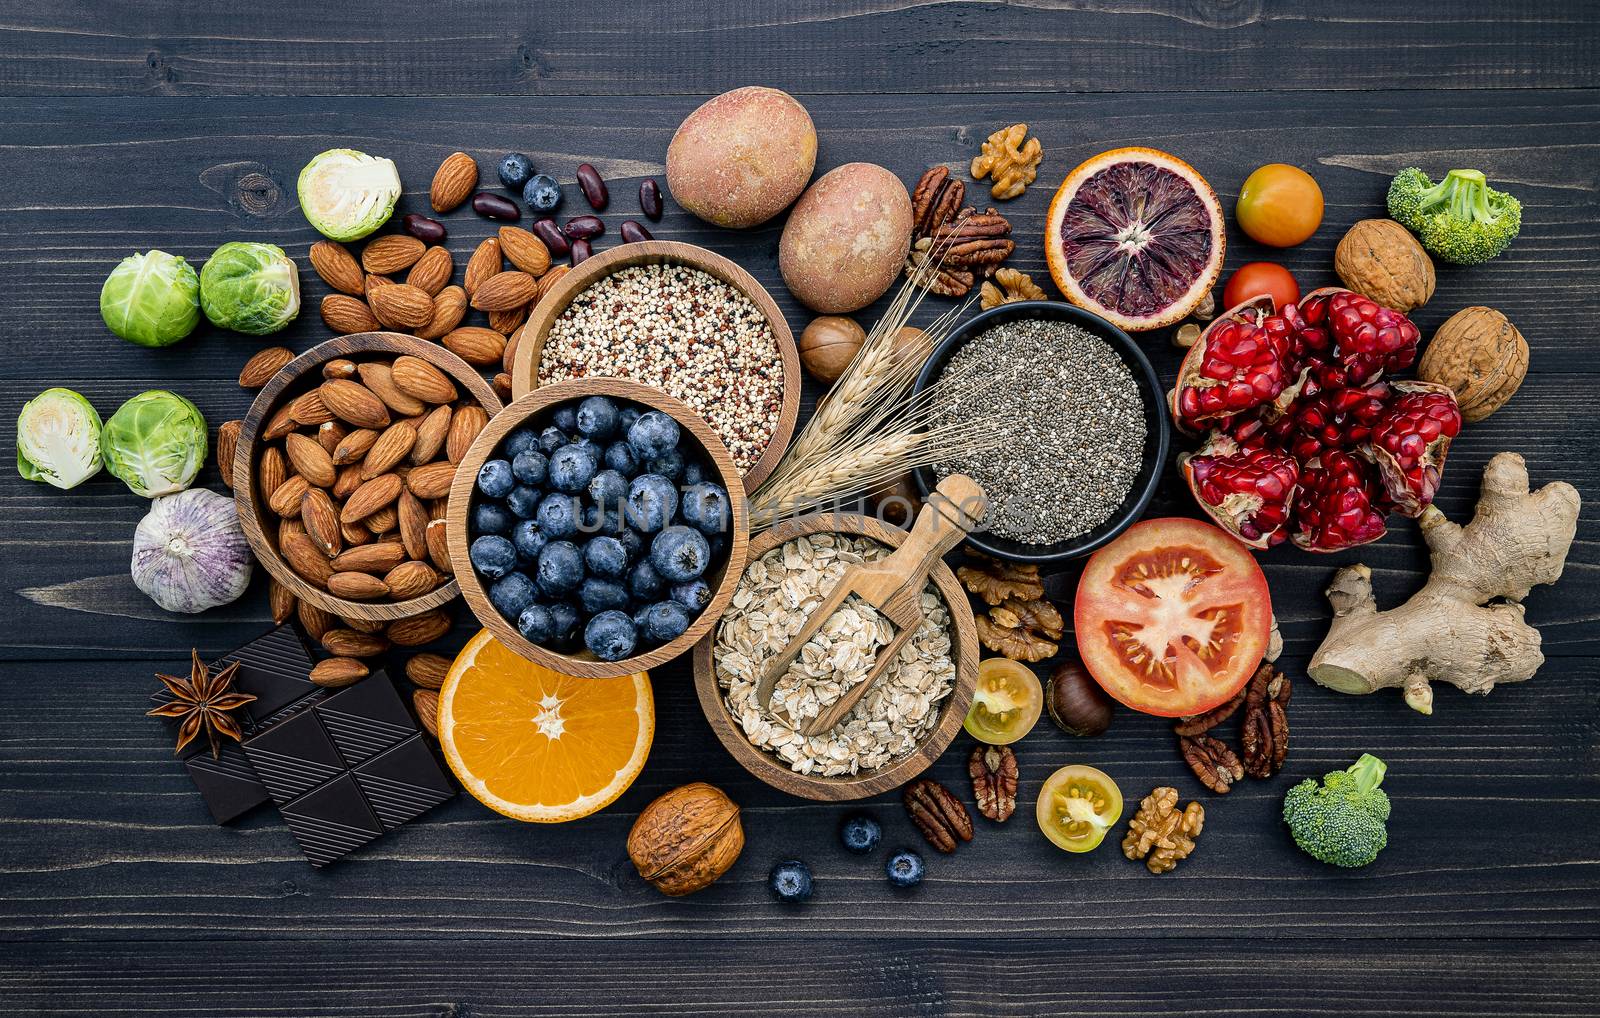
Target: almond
<point>364,625</point>
<point>420,379</point>
<point>281,601</point>
<point>507,322</point>
<point>353,643</point>
<point>464,428</point>
<point>372,282</point>
<point>524,250</point>
<point>401,306</point>
<point>432,271</point>
<point>387,452</point>
<point>508,360</point>
<point>428,670</point>
<point>353,447</point>
<point>431,480</point>
<point>503,291</point>
<point>418,629</point>
<point>258,370</point>
<point>380,379</point>
<point>357,586</point>
<point>330,434</point>
<point>314,620</point>
<point>449,307</point>
<point>410,579</point>
<point>502,386</point>
<point>453,181</point>
<point>227,446</point>
<point>337,267</point>
<point>309,459</point>
<point>476,345</point>
<point>370,497</point>
<point>305,558</point>
<point>309,409</point>
<point>431,435</point>
<point>354,403</point>
<point>355,534</point>
<point>339,367</point>
<point>391,253</point>
<point>280,423</point>
<point>426,702</point>
<point>345,315</point>
<point>321,521</point>
<point>287,527</point>
<point>438,547</point>
<point>337,672</point>
<point>413,525</point>
<point>285,498</point>
<point>549,281</point>
<point>378,557</point>
<point>271,470</point>
<point>383,521</point>
<point>347,482</point>
<point>484,264</point>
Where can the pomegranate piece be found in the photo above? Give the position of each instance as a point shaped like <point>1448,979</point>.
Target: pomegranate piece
<point>1329,415</point>
<point>1248,493</point>
<point>1310,340</point>
<point>1238,364</point>
<point>1409,442</point>
<point>1337,505</point>
<point>1370,338</point>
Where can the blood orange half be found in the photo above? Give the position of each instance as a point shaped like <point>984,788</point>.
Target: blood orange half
<point>1135,235</point>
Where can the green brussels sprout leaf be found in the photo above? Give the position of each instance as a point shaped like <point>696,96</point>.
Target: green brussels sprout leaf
<point>152,299</point>
<point>58,439</point>
<point>156,443</point>
<point>347,194</point>
<point>249,287</point>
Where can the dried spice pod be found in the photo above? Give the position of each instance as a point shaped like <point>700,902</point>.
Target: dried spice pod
<point>428,670</point>
<point>686,839</point>
<point>938,814</point>
<point>993,770</point>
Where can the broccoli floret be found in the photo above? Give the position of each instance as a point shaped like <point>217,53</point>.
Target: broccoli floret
<point>1341,821</point>
<point>1461,219</point>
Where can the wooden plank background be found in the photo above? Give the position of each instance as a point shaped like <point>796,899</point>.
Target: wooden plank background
<point>137,125</point>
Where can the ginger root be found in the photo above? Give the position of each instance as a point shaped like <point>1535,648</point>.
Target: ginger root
<point>1448,632</point>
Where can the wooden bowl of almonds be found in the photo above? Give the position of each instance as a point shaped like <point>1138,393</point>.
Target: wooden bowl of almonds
<point>343,467</point>
<point>901,725</point>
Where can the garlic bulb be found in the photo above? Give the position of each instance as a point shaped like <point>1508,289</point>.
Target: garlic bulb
<point>189,553</point>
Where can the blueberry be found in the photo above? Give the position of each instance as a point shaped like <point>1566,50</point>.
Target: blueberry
<point>512,595</point>
<point>536,624</point>
<point>664,622</point>
<point>694,472</point>
<point>680,554</point>
<point>904,869</point>
<point>602,521</point>
<point>652,502</point>
<point>606,557</point>
<point>627,415</point>
<point>608,488</point>
<point>653,434</point>
<point>492,556</point>
<point>492,518</point>
<point>706,508</point>
<point>619,457</point>
<point>519,442</point>
<point>596,595</point>
<point>694,595</point>
<point>530,466</point>
<point>571,469</point>
<point>529,541</point>
<point>566,619</point>
<point>632,542</point>
<point>524,500</point>
<point>610,635</point>
<point>644,583</point>
<point>565,418</point>
<point>515,169</point>
<point>557,515</point>
<point>551,439</point>
<point>638,616</point>
<point>560,568</point>
<point>494,478</point>
<point>542,193</point>
<point>590,448</point>
<point>860,833</point>
<point>669,465</point>
<point>790,881</point>
<point>597,417</point>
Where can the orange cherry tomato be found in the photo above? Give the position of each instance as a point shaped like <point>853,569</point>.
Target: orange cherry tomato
<point>1279,205</point>
<point>1256,278</point>
<point>1077,806</point>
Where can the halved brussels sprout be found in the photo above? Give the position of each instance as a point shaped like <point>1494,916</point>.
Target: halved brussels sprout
<point>347,194</point>
<point>58,439</point>
<point>249,287</point>
<point>155,442</point>
<point>152,299</point>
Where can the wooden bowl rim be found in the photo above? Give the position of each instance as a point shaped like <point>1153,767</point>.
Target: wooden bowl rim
<point>524,374</point>
<point>773,771</point>
<point>247,501</point>
<point>461,493</point>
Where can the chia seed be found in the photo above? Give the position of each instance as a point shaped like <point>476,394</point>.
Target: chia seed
<point>1072,422</point>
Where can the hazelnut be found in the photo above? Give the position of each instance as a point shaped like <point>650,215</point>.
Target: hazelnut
<point>1481,356</point>
<point>1381,259</point>
<point>828,345</point>
<point>686,839</point>
<point>897,502</point>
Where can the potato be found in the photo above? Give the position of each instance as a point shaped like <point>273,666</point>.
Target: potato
<point>742,157</point>
<point>847,238</point>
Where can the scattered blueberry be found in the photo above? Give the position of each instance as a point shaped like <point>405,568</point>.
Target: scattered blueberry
<point>566,619</point>
<point>706,508</point>
<point>571,468</point>
<point>669,465</point>
<point>610,635</point>
<point>560,568</point>
<point>664,621</point>
<point>605,557</point>
<point>608,488</point>
<point>492,518</point>
<point>644,583</point>
<point>551,439</point>
<point>680,554</point>
<point>558,515</point>
<point>537,624</point>
<point>790,881</point>
<point>653,434</point>
<point>597,417</point>
<point>542,193</point>
<point>515,169</point>
<point>905,869</point>
<point>565,417</point>
<point>860,833</point>
<point>492,556</point>
<point>530,466</point>
<point>596,595</point>
<point>694,595</point>
<point>495,479</point>
<point>529,541</point>
<point>524,500</point>
<point>652,502</point>
<point>512,594</point>
<point>619,457</point>
<point>519,442</point>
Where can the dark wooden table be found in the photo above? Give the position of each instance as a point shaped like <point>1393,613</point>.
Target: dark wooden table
<point>180,126</point>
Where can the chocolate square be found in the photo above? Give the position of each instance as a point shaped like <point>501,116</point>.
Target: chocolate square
<point>228,784</point>
<point>403,783</point>
<point>365,719</point>
<point>293,756</point>
<point>331,820</point>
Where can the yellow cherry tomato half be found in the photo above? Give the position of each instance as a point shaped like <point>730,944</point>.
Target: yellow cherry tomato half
<point>1077,806</point>
<point>1279,205</point>
<point>1006,703</point>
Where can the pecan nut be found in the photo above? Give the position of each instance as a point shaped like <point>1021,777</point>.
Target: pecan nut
<point>1212,762</point>
<point>935,200</point>
<point>1199,724</point>
<point>974,242</point>
<point>938,814</point>
<point>994,781</point>
<point>925,270</point>
<point>1264,735</point>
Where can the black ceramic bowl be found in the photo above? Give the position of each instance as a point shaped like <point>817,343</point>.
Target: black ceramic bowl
<point>1157,434</point>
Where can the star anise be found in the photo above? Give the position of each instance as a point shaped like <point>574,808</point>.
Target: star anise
<point>203,703</point>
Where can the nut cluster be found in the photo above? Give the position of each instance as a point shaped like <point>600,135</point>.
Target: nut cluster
<point>1263,733</point>
<point>953,246</point>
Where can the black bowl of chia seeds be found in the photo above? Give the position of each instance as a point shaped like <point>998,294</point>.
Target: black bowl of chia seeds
<point>1081,419</point>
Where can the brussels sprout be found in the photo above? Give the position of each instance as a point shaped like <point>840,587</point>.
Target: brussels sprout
<point>249,287</point>
<point>156,443</point>
<point>152,299</point>
<point>347,194</point>
<point>58,439</point>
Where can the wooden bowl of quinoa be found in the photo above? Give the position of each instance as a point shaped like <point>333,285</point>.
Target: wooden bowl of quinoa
<point>684,320</point>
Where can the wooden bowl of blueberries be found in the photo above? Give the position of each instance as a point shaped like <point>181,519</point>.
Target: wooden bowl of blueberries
<point>597,527</point>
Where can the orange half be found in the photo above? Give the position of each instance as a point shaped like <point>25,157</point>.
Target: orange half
<point>537,745</point>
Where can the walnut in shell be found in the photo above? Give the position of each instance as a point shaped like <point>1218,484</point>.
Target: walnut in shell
<point>1381,259</point>
<point>1481,356</point>
<point>686,839</point>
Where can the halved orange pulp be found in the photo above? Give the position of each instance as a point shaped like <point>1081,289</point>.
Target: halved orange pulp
<point>537,745</point>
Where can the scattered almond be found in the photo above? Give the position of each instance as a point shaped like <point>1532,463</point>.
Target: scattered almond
<point>314,620</point>
<point>372,282</point>
<point>280,601</point>
<point>428,670</point>
<point>357,586</point>
<point>418,629</point>
<point>401,306</point>
<point>364,625</point>
<point>454,180</point>
<point>426,702</point>
<point>305,558</point>
<point>508,359</point>
<point>449,308</point>
<point>348,481</point>
<point>432,480</point>
<point>330,434</point>
<point>379,377</point>
<point>432,271</point>
<point>431,435</point>
<point>321,520</point>
<point>378,558</point>
<point>337,672</point>
<point>337,267</point>
<point>504,290</point>
<point>259,369</point>
<point>285,498</point>
<point>345,315</point>
<point>279,424</point>
<point>464,428</point>
<point>507,322</point>
<point>477,346</point>
<point>390,448</point>
<point>484,264</point>
<point>549,281</point>
<point>410,579</point>
<point>309,459</point>
<point>384,520</point>
<point>424,381</point>
<point>524,250</point>
<point>502,386</point>
<point>391,253</point>
<point>354,403</point>
<point>354,643</point>
<point>271,470</point>
<point>354,534</point>
<point>227,446</point>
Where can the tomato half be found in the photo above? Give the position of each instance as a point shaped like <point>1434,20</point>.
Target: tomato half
<point>1077,806</point>
<point>1172,617</point>
<point>1253,279</point>
<point>1279,205</point>
<point>1005,703</point>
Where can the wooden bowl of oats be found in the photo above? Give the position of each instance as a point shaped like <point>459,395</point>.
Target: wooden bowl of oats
<point>923,703</point>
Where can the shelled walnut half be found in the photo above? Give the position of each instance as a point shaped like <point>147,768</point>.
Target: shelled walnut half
<point>1160,833</point>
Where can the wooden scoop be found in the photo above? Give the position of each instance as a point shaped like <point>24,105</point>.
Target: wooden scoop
<point>892,585</point>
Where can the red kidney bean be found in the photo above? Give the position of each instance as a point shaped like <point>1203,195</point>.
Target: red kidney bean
<point>594,189</point>
<point>495,207</point>
<point>429,231</point>
<point>584,227</point>
<point>650,199</point>
<point>581,250</point>
<point>547,230</point>
<point>632,232</point>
